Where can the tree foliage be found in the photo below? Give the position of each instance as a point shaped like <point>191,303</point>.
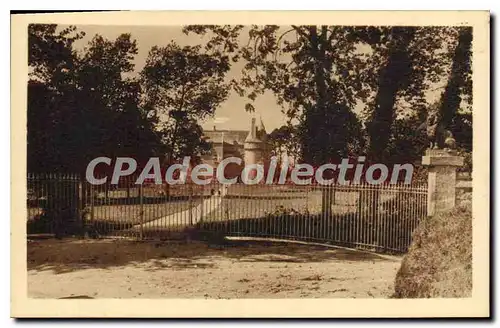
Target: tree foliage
<point>458,91</point>
<point>284,141</point>
<point>345,90</point>
<point>321,75</point>
<point>181,87</point>
<point>301,67</point>
<point>76,101</point>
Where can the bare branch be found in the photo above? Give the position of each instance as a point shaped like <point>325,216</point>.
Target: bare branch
<point>300,32</point>
<point>282,35</point>
<point>279,41</point>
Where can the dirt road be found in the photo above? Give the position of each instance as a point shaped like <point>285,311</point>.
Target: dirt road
<point>241,269</point>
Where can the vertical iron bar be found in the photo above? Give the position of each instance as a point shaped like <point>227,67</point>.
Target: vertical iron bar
<point>141,212</point>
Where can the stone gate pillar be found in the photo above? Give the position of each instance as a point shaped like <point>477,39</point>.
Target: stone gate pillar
<point>442,165</point>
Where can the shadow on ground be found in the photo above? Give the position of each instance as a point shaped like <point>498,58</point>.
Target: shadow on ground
<point>62,256</point>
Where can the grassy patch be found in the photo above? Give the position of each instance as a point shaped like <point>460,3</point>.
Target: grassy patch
<point>439,261</point>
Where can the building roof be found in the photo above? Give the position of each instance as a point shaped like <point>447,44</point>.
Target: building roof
<point>230,136</point>
<point>262,128</point>
<point>254,134</point>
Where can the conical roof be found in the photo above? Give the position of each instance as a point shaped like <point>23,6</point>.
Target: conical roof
<point>261,132</point>
<point>262,127</point>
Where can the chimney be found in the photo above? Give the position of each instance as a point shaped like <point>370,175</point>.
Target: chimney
<point>253,128</point>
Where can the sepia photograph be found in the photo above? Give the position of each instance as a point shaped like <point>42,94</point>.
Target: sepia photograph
<point>206,157</point>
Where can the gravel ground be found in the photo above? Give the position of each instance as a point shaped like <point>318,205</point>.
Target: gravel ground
<point>176,269</point>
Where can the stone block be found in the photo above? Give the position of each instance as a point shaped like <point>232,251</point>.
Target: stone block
<point>442,179</point>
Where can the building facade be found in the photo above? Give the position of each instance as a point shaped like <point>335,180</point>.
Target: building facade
<point>249,145</point>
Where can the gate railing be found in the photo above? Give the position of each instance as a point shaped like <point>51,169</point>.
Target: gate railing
<point>126,209</point>
<point>380,218</point>
<point>377,217</point>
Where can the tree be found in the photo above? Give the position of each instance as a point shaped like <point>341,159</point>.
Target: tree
<point>319,74</point>
<point>453,109</point>
<point>283,141</point>
<point>51,55</point>
<point>393,78</point>
<point>410,60</point>
<point>181,86</point>
<point>405,145</point>
<point>111,101</point>
<point>51,59</point>
<point>456,100</point>
<point>314,74</point>
<point>81,105</point>
<point>459,86</point>
<point>406,63</point>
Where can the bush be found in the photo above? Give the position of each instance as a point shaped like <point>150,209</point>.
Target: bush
<point>439,261</point>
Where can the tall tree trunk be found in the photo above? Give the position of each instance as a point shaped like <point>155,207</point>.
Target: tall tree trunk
<point>450,100</point>
<point>393,78</point>
<point>316,153</point>
<point>315,116</point>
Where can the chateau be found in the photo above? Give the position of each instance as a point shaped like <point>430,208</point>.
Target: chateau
<point>251,146</point>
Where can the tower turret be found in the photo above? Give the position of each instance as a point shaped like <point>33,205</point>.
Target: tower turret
<point>253,146</point>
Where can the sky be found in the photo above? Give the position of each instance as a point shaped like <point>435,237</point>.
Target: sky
<point>231,114</point>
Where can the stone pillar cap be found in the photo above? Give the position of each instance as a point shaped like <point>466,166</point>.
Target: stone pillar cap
<point>439,157</point>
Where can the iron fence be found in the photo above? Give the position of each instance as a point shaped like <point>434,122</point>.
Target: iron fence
<point>381,217</point>
<point>54,203</point>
